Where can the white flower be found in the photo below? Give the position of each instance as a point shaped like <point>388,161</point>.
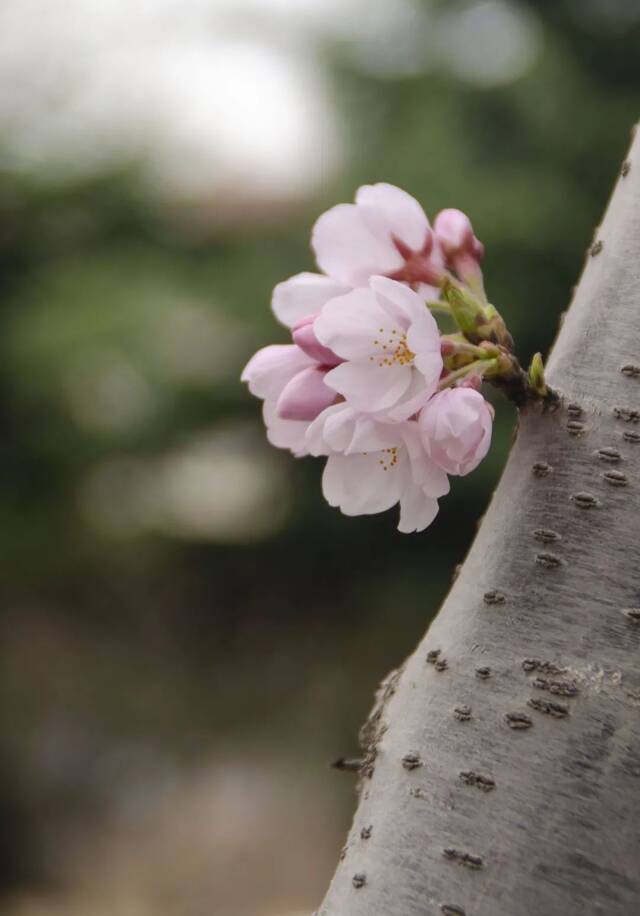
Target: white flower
<point>391,346</point>
<point>360,382</point>
<point>372,465</point>
<point>384,232</point>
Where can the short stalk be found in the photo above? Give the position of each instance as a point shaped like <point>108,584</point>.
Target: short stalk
<point>478,367</point>
<point>442,307</point>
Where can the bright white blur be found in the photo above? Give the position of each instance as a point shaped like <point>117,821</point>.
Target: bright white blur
<point>223,97</point>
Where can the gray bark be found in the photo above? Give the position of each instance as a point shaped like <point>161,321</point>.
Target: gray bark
<point>503,760</point>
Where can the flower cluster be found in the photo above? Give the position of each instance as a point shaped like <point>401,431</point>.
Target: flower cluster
<point>368,380</point>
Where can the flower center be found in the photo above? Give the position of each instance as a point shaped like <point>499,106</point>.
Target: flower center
<point>392,350</point>
<point>419,266</point>
<point>389,458</point>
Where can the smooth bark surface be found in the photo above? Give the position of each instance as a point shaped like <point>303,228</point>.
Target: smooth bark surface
<point>503,761</point>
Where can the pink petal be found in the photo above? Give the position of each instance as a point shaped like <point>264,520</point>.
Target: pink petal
<point>425,473</point>
<point>391,211</point>
<point>339,428</point>
<point>284,433</point>
<point>430,367</point>
<point>359,485</point>
<point>350,325</point>
<point>424,336</point>
<point>347,249</point>
<point>331,431</point>
<point>305,396</point>
<point>398,300</point>
<point>427,292</point>
<point>412,401</point>
<point>453,230</point>
<point>423,339</point>
<point>269,370</point>
<point>304,336</point>
<point>370,435</point>
<point>417,510</point>
<point>303,295</point>
<point>462,249</point>
<point>369,387</point>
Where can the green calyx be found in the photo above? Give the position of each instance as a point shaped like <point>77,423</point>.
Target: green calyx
<point>482,348</point>
<point>535,376</point>
<point>482,368</point>
<point>478,320</point>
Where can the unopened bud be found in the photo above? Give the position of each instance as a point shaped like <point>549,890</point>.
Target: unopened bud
<point>454,231</point>
<point>467,311</point>
<point>495,329</point>
<point>304,337</point>
<point>489,348</point>
<point>478,320</point>
<point>457,351</point>
<point>535,376</point>
<point>462,249</point>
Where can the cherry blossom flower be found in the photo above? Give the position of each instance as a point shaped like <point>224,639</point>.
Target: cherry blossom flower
<point>373,465</point>
<point>455,428</point>
<point>390,345</point>
<point>387,233</point>
<point>384,232</point>
<point>366,381</point>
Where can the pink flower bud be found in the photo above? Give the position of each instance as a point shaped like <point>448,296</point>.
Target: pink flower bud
<point>455,427</point>
<point>454,231</point>
<point>305,396</point>
<point>462,249</point>
<point>305,337</point>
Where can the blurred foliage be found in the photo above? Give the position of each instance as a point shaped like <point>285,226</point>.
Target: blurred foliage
<point>125,328</point>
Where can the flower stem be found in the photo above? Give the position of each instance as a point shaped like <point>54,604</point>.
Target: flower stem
<point>481,353</point>
<point>443,307</point>
<point>479,366</point>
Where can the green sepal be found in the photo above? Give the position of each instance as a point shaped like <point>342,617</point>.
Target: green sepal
<point>535,376</point>
<point>477,320</point>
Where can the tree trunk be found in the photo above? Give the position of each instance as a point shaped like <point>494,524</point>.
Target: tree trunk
<point>502,775</point>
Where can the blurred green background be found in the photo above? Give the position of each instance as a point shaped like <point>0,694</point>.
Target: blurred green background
<point>189,634</point>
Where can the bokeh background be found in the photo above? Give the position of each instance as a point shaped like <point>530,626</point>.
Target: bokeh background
<point>189,635</point>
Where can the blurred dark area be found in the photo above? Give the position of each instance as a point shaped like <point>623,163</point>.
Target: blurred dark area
<point>189,633</point>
